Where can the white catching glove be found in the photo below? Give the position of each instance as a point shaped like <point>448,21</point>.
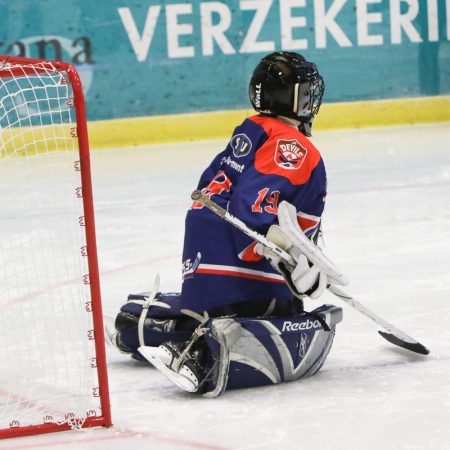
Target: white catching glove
<point>313,270</point>
<point>300,279</point>
<point>309,280</point>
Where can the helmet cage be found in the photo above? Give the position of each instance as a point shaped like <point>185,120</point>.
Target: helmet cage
<point>308,93</point>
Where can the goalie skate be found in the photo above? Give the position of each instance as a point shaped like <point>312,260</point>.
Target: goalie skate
<point>183,370</point>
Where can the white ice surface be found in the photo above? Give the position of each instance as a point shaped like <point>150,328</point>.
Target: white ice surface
<point>387,225</point>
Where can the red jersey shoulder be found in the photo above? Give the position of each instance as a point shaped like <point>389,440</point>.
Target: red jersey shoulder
<point>286,152</point>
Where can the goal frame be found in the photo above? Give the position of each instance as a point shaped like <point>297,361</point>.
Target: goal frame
<point>81,133</point>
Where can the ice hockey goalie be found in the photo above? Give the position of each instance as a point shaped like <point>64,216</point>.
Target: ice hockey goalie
<point>239,319</point>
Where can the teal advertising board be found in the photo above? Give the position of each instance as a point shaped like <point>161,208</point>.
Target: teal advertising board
<point>149,58</point>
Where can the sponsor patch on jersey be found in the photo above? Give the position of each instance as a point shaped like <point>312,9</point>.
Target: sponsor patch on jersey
<point>289,154</point>
<point>189,267</point>
<point>241,145</point>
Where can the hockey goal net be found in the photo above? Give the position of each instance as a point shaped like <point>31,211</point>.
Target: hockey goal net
<point>53,370</point>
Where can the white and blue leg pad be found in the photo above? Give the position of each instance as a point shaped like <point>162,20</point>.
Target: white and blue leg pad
<point>247,352</point>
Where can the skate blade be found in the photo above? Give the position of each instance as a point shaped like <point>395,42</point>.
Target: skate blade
<point>182,378</point>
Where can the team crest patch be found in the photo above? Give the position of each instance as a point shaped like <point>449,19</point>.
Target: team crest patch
<point>241,145</point>
<point>289,154</point>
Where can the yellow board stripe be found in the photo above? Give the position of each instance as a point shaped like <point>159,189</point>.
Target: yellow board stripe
<point>29,141</point>
<point>220,124</point>
<point>383,113</point>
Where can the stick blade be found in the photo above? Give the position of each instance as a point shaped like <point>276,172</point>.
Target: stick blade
<point>415,347</point>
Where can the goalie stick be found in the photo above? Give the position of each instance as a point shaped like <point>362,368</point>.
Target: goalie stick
<point>392,334</point>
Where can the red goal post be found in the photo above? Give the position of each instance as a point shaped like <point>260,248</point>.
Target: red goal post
<point>52,351</point>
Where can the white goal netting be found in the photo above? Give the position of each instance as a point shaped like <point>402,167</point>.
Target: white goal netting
<point>47,340</point>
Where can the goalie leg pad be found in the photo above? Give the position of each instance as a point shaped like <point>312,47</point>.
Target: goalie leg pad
<point>244,352</point>
<point>163,322</point>
<point>165,305</point>
<point>258,352</point>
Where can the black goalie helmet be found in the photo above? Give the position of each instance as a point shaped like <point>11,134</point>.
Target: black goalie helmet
<point>285,84</point>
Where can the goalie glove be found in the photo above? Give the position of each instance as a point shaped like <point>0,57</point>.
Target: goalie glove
<point>313,271</point>
<point>302,279</point>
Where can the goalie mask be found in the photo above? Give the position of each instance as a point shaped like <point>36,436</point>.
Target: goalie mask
<point>285,84</point>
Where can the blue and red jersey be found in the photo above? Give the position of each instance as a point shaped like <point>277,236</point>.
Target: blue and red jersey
<point>265,162</point>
